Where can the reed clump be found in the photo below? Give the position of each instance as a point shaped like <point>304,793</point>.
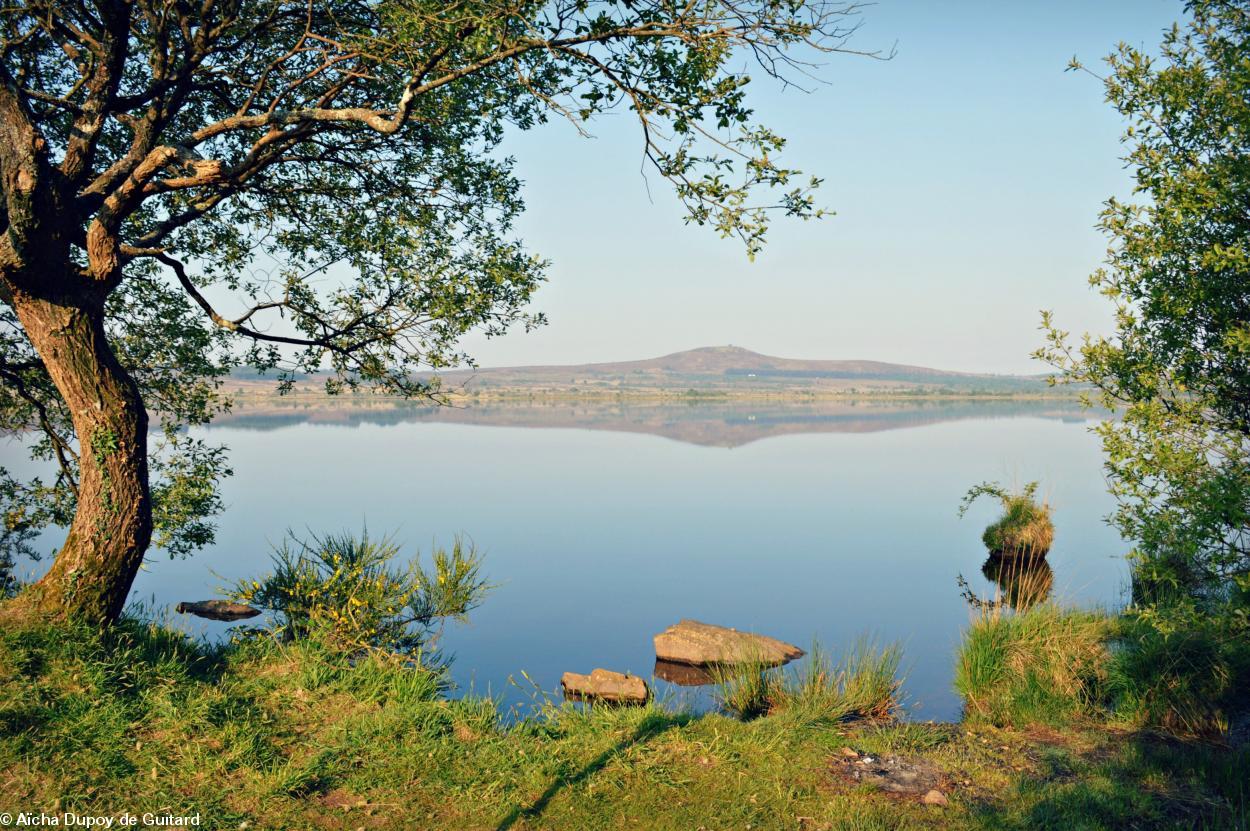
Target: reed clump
<point>1025,528</point>
<point>863,684</point>
<point>1047,665</point>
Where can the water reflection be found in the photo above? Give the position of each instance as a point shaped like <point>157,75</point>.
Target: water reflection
<point>1022,581</point>
<point>727,423</point>
<point>685,675</point>
<point>845,526</point>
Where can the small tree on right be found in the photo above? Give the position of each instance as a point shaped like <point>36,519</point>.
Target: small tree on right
<point>1177,368</point>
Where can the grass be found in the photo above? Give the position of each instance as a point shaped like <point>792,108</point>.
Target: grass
<point>1189,681</point>
<point>360,593</point>
<point>1045,666</point>
<point>864,684</point>
<point>262,734</point>
<point>1025,528</point>
<point>1050,665</point>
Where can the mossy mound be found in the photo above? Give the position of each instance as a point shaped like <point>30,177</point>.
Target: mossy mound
<point>1024,530</point>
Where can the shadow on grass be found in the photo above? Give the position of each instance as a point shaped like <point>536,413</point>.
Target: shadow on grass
<point>1142,780</point>
<point>651,726</point>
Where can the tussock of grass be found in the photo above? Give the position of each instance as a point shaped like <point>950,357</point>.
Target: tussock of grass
<point>1047,665</point>
<point>1054,666</point>
<point>1025,528</point>
<point>864,684</point>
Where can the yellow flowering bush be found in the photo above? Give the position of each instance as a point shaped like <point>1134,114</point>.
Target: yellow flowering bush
<point>356,592</point>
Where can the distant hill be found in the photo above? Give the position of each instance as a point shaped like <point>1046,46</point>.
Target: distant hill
<point>734,368</point>
<point>715,369</point>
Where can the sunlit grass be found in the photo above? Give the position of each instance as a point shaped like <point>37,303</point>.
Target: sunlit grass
<point>862,684</point>
<point>1025,528</point>
<point>296,735</point>
<point>1046,665</point>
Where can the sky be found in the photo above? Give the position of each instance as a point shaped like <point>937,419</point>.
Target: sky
<point>966,175</point>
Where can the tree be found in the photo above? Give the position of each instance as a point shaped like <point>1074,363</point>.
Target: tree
<point>309,185</point>
<point>1178,366</point>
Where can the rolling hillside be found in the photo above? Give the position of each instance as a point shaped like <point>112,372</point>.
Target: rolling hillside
<point>734,368</point>
<point>711,369</point>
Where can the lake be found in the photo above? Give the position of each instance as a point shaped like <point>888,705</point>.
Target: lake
<point>822,520</point>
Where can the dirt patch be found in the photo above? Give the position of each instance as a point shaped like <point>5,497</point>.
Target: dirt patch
<point>894,775</point>
<point>342,799</point>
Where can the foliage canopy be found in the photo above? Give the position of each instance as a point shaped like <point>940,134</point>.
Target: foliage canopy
<point>1177,368</point>
<point>307,186</point>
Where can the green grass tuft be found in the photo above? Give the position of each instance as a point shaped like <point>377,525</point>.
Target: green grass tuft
<point>1025,528</point>
<point>351,592</point>
<point>1046,665</point>
<point>864,684</point>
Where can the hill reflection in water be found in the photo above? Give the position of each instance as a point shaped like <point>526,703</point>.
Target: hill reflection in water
<point>731,423</point>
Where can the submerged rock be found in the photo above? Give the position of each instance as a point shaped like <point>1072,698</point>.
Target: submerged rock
<point>606,686</point>
<point>692,642</point>
<point>217,609</point>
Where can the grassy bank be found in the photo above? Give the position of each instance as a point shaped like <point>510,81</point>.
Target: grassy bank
<point>267,735</point>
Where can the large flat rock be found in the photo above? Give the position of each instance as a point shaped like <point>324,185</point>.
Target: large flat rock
<point>604,685</point>
<point>701,644</point>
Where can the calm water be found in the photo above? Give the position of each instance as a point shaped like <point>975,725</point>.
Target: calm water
<point>801,522</point>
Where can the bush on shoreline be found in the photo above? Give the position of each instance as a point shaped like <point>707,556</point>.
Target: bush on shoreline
<point>349,591</point>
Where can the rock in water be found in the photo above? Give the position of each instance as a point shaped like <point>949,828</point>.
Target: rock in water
<point>692,642</point>
<point>217,610</point>
<point>606,686</point>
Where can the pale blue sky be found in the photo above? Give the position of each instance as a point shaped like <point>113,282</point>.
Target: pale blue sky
<point>966,173</point>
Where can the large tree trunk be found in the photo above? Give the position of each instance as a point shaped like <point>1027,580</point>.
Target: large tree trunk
<point>92,574</point>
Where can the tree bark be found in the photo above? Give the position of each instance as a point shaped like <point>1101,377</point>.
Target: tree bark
<point>92,574</point>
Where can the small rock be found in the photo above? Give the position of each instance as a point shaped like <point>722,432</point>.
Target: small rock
<point>934,797</point>
<point>216,609</point>
<point>606,686</point>
<point>849,753</point>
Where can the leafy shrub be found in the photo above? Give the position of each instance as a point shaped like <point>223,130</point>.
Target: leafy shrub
<point>1189,681</point>
<point>1024,529</point>
<point>350,592</point>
